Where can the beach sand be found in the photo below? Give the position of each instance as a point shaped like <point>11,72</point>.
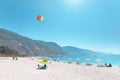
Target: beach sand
<point>25,69</point>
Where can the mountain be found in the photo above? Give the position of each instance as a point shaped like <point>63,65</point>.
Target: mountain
<point>4,51</point>
<point>27,46</point>
<point>77,51</point>
<point>74,51</point>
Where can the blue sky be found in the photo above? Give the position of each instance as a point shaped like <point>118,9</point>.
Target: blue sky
<point>88,24</point>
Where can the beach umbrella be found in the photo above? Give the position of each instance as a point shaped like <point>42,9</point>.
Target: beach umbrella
<point>43,61</point>
<point>98,60</point>
<point>69,58</point>
<point>88,59</point>
<point>77,59</point>
<point>57,58</point>
<point>50,58</point>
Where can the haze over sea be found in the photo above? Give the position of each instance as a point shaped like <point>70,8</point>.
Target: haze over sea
<point>113,59</point>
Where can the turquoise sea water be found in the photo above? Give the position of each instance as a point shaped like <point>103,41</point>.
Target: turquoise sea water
<point>113,59</point>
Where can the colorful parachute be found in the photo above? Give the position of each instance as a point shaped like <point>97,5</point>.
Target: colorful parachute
<point>40,18</point>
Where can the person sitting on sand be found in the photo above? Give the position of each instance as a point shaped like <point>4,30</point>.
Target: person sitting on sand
<point>110,65</point>
<point>16,58</point>
<point>42,67</point>
<point>106,65</point>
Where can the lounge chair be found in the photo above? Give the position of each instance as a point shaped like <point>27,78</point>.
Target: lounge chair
<point>88,64</point>
<point>100,65</point>
<point>78,62</point>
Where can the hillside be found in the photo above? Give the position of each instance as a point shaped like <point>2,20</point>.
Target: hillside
<point>4,51</point>
<point>27,46</point>
<point>74,51</point>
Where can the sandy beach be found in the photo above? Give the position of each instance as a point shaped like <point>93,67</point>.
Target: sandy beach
<point>25,69</point>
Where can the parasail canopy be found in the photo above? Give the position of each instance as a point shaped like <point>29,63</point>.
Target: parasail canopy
<point>40,18</point>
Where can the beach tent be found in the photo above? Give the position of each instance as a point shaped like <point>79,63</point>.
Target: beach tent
<point>43,61</point>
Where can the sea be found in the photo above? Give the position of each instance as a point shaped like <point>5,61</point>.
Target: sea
<point>102,59</point>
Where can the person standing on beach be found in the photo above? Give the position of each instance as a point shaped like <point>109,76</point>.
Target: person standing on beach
<point>110,65</point>
<point>13,58</point>
<point>16,58</point>
<point>106,65</point>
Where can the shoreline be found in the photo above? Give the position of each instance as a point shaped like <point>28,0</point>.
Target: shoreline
<point>68,62</point>
<point>26,69</point>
